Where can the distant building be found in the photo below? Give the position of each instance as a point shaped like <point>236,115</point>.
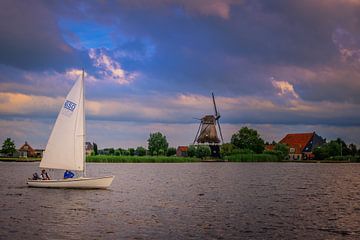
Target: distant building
<point>269,147</point>
<point>301,145</point>
<point>89,148</point>
<point>26,151</point>
<point>39,153</point>
<point>182,151</point>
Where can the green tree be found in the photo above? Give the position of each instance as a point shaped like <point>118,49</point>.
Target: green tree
<point>202,151</point>
<point>95,148</point>
<point>157,142</point>
<point>353,149</point>
<point>344,148</point>
<point>282,150</point>
<point>227,149</point>
<point>191,151</point>
<point>247,138</point>
<point>111,151</point>
<point>140,151</point>
<point>8,147</point>
<point>171,151</point>
<point>131,151</point>
<point>327,150</point>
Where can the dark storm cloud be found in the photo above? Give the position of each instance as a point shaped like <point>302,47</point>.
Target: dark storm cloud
<point>30,38</point>
<point>233,55</point>
<point>235,48</point>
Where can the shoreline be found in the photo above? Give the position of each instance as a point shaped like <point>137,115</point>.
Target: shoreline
<point>162,159</point>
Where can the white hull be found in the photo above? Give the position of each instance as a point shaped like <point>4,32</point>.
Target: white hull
<point>84,183</point>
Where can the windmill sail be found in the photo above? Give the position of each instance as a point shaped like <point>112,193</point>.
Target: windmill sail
<point>65,147</point>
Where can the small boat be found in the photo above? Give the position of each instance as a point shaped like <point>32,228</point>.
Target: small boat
<point>66,146</point>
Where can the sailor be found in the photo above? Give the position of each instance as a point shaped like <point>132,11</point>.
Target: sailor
<point>44,175</point>
<point>68,174</point>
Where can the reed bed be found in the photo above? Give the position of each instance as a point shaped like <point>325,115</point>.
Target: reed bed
<point>138,159</point>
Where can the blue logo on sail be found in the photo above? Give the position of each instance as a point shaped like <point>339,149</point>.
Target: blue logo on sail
<point>70,105</point>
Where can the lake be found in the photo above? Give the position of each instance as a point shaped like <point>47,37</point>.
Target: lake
<point>188,201</point>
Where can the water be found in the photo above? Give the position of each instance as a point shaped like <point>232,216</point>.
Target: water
<point>188,201</point>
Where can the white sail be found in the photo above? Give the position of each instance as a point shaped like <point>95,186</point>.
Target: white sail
<point>65,148</point>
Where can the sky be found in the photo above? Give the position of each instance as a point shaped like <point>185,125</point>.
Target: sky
<point>277,66</point>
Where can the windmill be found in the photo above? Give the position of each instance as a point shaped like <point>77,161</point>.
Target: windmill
<point>207,133</point>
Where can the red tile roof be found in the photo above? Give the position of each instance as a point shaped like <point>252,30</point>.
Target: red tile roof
<point>27,148</point>
<point>183,148</point>
<point>270,147</point>
<point>297,141</point>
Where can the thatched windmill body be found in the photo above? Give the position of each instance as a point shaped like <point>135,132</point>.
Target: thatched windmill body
<point>207,131</point>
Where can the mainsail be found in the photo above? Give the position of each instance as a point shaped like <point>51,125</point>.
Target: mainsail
<point>65,148</point>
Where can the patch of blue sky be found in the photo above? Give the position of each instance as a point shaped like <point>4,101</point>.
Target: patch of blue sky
<point>136,50</point>
<point>87,34</point>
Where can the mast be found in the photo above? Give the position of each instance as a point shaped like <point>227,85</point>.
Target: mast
<point>84,123</point>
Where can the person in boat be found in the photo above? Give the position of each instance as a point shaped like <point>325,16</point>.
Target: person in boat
<point>35,176</point>
<point>68,174</point>
<point>44,175</point>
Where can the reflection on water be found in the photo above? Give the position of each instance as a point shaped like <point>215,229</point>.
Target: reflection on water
<point>188,201</point>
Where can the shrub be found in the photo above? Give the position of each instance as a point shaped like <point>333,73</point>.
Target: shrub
<point>191,151</point>
<point>140,151</point>
<point>202,151</point>
<point>171,151</point>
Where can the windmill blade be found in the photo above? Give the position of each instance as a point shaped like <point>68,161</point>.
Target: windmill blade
<point>197,133</point>
<point>222,139</point>
<point>216,112</point>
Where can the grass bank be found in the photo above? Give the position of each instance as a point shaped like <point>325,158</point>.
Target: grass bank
<point>138,159</point>
<point>252,158</point>
<point>3,159</point>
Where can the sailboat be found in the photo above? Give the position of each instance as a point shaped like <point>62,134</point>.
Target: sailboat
<point>66,146</point>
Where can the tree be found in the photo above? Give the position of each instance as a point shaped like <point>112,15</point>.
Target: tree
<point>353,149</point>
<point>140,151</point>
<point>111,151</point>
<point>95,148</point>
<point>226,149</point>
<point>202,151</point>
<point>344,149</point>
<point>171,151</point>
<point>8,147</point>
<point>191,151</point>
<point>282,150</point>
<point>327,150</point>
<point>157,142</point>
<point>247,138</point>
<point>131,151</point>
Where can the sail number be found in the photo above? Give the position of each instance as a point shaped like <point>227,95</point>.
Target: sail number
<point>69,105</point>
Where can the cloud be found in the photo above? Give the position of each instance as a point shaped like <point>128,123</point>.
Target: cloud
<point>284,88</point>
<point>30,37</point>
<point>217,8</point>
<point>17,104</point>
<point>47,83</point>
<point>109,69</point>
<point>183,108</point>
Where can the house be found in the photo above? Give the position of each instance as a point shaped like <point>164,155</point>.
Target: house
<point>89,148</point>
<point>26,151</point>
<point>270,147</point>
<point>301,145</point>
<point>39,153</point>
<point>182,151</point>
